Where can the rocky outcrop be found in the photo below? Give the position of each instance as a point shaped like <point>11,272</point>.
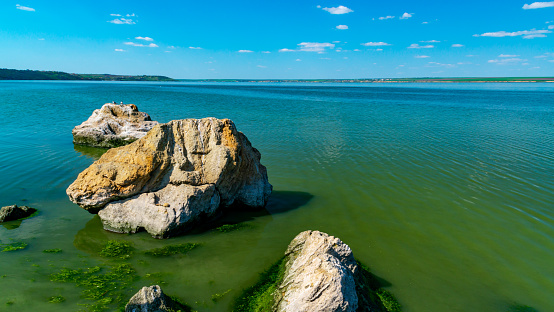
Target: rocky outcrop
<point>15,212</point>
<point>113,125</point>
<point>178,174</point>
<point>152,299</point>
<point>319,275</point>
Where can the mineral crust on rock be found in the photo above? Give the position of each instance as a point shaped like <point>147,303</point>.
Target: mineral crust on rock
<point>319,275</point>
<point>113,125</point>
<point>177,175</point>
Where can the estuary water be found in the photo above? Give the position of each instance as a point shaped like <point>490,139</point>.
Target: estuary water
<point>445,191</point>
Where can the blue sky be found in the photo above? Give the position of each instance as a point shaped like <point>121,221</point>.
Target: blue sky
<point>280,39</point>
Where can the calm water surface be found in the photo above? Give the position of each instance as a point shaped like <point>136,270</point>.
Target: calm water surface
<point>444,190</point>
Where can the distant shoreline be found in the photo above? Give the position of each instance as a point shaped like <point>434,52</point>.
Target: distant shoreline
<point>14,74</point>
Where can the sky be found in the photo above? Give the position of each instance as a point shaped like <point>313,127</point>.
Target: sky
<point>327,39</point>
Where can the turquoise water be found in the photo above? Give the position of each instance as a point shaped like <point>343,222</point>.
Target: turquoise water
<point>444,190</point>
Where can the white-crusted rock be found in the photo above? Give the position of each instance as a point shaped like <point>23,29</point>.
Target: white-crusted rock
<point>113,125</point>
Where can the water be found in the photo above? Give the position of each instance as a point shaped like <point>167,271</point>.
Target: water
<point>444,190</point>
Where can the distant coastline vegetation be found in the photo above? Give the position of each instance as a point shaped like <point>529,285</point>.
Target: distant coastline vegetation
<point>14,74</point>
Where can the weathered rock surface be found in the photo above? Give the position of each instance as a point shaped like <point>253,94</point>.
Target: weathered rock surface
<point>152,299</point>
<point>113,125</point>
<point>178,174</point>
<point>319,275</point>
<point>15,212</point>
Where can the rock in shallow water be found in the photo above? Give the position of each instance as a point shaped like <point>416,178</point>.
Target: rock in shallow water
<point>178,174</point>
<point>152,299</point>
<point>113,125</point>
<point>15,212</point>
<point>319,275</point>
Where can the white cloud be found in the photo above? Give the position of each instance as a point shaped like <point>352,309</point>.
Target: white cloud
<point>24,8</point>
<point>41,39</point>
<point>144,38</point>
<point>378,49</point>
<point>431,41</point>
<point>338,10</point>
<point>152,45</point>
<point>298,60</point>
<point>245,51</point>
<point>508,55</point>
<point>375,44</point>
<point>324,58</point>
<point>195,48</point>
<point>286,50</point>
<point>266,52</point>
<point>457,45</point>
<point>315,46</point>
<point>433,64</point>
<point>171,47</point>
<point>122,20</point>
<point>424,23</point>
<point>506,61</point>
<point>113,14</point>
<point>119,50</point>
<point>356,50</point>
<point>406,15</point>
<point>342,27</point>
<point>527,34</point>
<point>130,15</point>
<point>336,41</point>
<point>538,5</point>
<point>550,26</point>
<point>386,17</point>
<point>422,56</point>
<point>417,46</point>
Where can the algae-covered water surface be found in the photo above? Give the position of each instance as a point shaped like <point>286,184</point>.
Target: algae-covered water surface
<point>443,191</point>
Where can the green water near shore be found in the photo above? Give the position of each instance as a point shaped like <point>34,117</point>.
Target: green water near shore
<point>446,192</point>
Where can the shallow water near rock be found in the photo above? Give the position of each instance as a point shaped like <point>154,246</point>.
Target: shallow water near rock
<point>444,190</point>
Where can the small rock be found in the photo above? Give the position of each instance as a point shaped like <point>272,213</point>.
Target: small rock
<point>14,212</point>
<point>152,299</point>
<point>113,125</point>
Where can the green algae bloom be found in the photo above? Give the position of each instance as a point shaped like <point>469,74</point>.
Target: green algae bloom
<point>170,250</point>
<point>117,249</point>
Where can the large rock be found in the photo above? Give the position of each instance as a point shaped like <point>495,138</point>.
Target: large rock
<point>152,299</point>
<point>113,125</point>
<point>15,212</point>
<point>178,174</point>
<point>319,275</point>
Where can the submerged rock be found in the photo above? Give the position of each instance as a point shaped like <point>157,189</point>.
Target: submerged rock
<point>15,212</point>
<point>152,299</point>
<point>113,125</point>
<point>178,174</point>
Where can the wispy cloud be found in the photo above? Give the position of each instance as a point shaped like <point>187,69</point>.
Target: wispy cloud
<point>121,21</point>
<point>406,15</point>
<point>286,50</point>
<point>526,34</point>
<point>114,14</point>
<point>430,41</point>
<point>24,8</point>
<point>375,44</point>
<point>506,61</point>
<point>144,38</point>
<point>508,55</point>
<point>266,52</point>
<point>342,27</point>
<point>245,51</point>
<point>386,17</point>
<point>550,26</point>
<point>195,48</point>
<point>417,46</point>
<point>422,56</point>
<point>315,46</point>
<point>457,45</point>
<point>338,10</point>
<point>119,50</point>
<point>434,64</point>
<point>152,45</point>
<point>538,5</point>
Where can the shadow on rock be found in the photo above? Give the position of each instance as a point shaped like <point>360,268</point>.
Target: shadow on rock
<point>91,152</point>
